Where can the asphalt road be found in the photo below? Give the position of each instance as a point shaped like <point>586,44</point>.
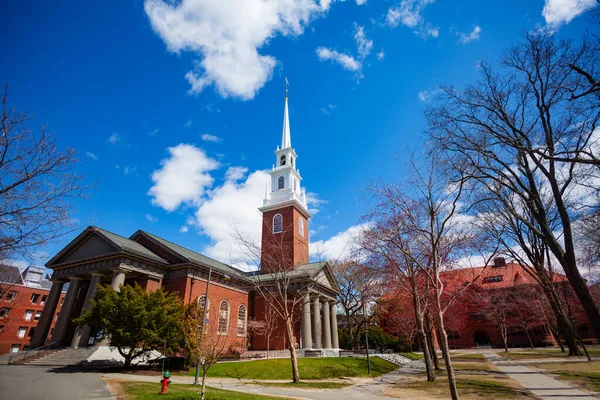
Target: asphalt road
<point>40,383</point>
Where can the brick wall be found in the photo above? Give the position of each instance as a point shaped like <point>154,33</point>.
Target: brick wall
<point>19,306</point>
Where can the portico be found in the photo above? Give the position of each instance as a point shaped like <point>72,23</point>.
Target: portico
<point>323,316</point>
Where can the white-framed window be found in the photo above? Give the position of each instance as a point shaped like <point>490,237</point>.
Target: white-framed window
<point>44,298</point>
<point>277,223</point>
<point>21,332</point>
<point>280,183</point>
<point>300,226</point>
<point>28,315</point>
<point>223,318</point>
<point>10,296</point>
<point>34,298</point>
<point>38,314</point>
<point>4,311</point>
<point>241,325</point>
<point>15,348</point>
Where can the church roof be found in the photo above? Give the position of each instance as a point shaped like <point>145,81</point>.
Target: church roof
<point>119,242</point>
<point>190,255</point>
<point>309,271</point>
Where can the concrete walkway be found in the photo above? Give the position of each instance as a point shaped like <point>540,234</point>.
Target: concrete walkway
<point>542,385</point>
<point>367,389</point>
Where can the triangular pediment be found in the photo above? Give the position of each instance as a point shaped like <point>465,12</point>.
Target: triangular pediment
<point>88,245</point>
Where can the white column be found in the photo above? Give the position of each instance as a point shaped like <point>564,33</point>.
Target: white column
<point>334,328</point>
<point>306,325</point>
<point>118,280</point>
<point>60,329</point>
<point>316,323</point>
<point>326,326</point>
<point>43,326</point>
<point>82,334</point>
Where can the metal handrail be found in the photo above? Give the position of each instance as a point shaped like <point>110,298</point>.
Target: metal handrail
<point>44,346</point>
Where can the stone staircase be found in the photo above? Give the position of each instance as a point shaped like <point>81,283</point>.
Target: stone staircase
<point>64,357</point>
<point>394,358</point>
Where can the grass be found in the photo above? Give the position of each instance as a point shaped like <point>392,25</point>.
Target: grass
<point>147,391</point>
<point>523,354</point>
<point>472,357</point>
<point>584,374</point>
<point>474,366</point>
<point>309,368</point>
<point>306,385</point>
<point>413,356</point>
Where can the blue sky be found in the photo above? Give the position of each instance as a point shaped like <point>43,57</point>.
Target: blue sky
<point>183,157</point>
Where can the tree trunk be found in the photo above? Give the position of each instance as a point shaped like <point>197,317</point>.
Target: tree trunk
<point>504,338</point>
<point>203,389</point>
<point>423,335</point>
<point>558,340</point>
<point>289,331</point>
<point>529,337</point>
<point>268,342</point>
<point>445,349</point>
<point>350,338</point>
<point>431,342</point>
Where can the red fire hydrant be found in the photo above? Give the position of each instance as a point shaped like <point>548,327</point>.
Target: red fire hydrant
<point>165,383</point>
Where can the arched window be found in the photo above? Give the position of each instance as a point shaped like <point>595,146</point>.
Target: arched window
<point>280,183</point>
<point>300,226</point>
<point>223,318</point>
<point>203,303</point>
<point>277,223</point>
<point>241,325</point>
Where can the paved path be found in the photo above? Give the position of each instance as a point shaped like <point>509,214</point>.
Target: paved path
<point>542,385</point>
<point>26,382</point>
<point>366,389</point>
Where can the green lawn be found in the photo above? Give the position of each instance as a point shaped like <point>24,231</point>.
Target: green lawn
<point>146,391</point>
<point>309,368</point>
<point>413,356</point>
<point>472,357</point>
<point>522,354</point>
<point>306,385</point>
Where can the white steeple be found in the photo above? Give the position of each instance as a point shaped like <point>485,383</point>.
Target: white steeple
<point>286,140</point>
<point>285,178</point>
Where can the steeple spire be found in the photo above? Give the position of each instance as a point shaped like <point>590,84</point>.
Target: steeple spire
<point>286,140</point>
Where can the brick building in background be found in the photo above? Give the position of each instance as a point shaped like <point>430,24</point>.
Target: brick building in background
<point>98,256</point>
<point>468,326</point>
<point>22,298</point>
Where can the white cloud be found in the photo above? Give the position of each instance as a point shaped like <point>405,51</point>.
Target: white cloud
<point>314,202</point>
<point>408,13</point>
<point>346,61</point>
<point>233,205</point>
<point>235,173</point>
<point>340,246</point>
<point>150,217</point>
<point>184,229</point>
<point>226,35</point>
<point>115,138</point>
<point>427,95</point>
<point>556,12</point>
<point>91,155</point>
<point>327,110</point>
<point>188,123</point>
<point>153,132</point>
<point>364,45</point>
<point>361,2</point>
<point>211,138</point>
<point>465,38</point>
<point>182,178</point>
<point>381,55</point>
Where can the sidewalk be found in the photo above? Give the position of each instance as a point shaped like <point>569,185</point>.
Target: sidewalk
<point>367,389</point>
<point>542,385</point>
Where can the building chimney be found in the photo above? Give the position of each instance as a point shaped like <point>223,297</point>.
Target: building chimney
<point>499,262</point>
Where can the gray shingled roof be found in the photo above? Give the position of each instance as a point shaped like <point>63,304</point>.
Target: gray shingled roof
<point>11,275</point>
<point>194,257</point>
<point>128,245</point>
<point>302,270</point>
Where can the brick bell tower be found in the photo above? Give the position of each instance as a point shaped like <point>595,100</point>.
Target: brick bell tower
<point>285,213</point>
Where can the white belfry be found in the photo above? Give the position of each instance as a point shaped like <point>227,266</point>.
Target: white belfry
<point>285,178</point>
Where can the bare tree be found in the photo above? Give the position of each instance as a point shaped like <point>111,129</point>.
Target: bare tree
<point>202,341</point>
<point>37,185</point>
<point>266,327</point>
<point>278,284</point>
<point>355,281</point>
<point>520,131</point>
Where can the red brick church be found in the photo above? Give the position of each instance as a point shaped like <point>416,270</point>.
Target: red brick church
<point>97,256</point>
